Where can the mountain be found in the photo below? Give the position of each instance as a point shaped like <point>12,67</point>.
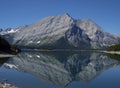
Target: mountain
<point>62,68</point>
<point>62,32</point>
<point>7,31</point>
<point>8,34</point>
<point>97,35</point>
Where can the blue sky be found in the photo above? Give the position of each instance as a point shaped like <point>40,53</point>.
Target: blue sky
<point>106,13</point>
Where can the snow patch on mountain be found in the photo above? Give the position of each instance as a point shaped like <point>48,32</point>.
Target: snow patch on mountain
<point>7,31</point>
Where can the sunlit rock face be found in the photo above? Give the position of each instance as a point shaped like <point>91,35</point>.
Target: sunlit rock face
<point>52,32</point>
<point>62,68</point>
<point>61,32</point>
<point>99,38</point>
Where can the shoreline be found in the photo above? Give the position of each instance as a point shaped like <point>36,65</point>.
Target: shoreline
<point>6,55</point>
<point>37,50</point>
<point>112,52</point>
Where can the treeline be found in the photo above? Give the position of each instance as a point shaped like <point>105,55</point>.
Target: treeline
<point>114,56</point>
<point>6,47</point>
<point>114,48</point>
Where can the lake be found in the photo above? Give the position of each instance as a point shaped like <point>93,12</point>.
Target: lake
<point>60,69</point>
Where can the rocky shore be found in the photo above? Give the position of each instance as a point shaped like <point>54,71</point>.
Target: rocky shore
<point>7,85</point>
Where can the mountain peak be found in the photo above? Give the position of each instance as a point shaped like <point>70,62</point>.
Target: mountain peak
<point>66,14</point>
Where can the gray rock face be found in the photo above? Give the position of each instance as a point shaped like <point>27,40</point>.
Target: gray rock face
<point>62,32</point>
<point>52,32</point>
<point>99,38</point>
<point>62,68</point>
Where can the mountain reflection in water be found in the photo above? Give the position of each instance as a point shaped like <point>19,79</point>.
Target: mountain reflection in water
<point>62,68</point>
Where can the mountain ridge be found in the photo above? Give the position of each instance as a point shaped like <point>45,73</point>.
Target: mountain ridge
<point>61,32</point>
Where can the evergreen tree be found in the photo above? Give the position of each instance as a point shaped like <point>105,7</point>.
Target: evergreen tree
<point>4,45</point>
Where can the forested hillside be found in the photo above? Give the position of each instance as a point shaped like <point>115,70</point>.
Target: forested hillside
<point>114,48</point>
<point>6,47</point>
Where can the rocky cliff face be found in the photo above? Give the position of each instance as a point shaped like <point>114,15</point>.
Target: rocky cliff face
<point>62,68</point>
<point>62,31</point>
<point>98,37</point>
<point>52,32</point>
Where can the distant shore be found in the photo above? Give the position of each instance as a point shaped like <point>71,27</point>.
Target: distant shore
<point>112,52</point>
<point>59,50</point>
<point>6,55</point>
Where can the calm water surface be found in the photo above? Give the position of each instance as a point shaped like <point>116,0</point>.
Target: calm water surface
<point>61,70</point>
